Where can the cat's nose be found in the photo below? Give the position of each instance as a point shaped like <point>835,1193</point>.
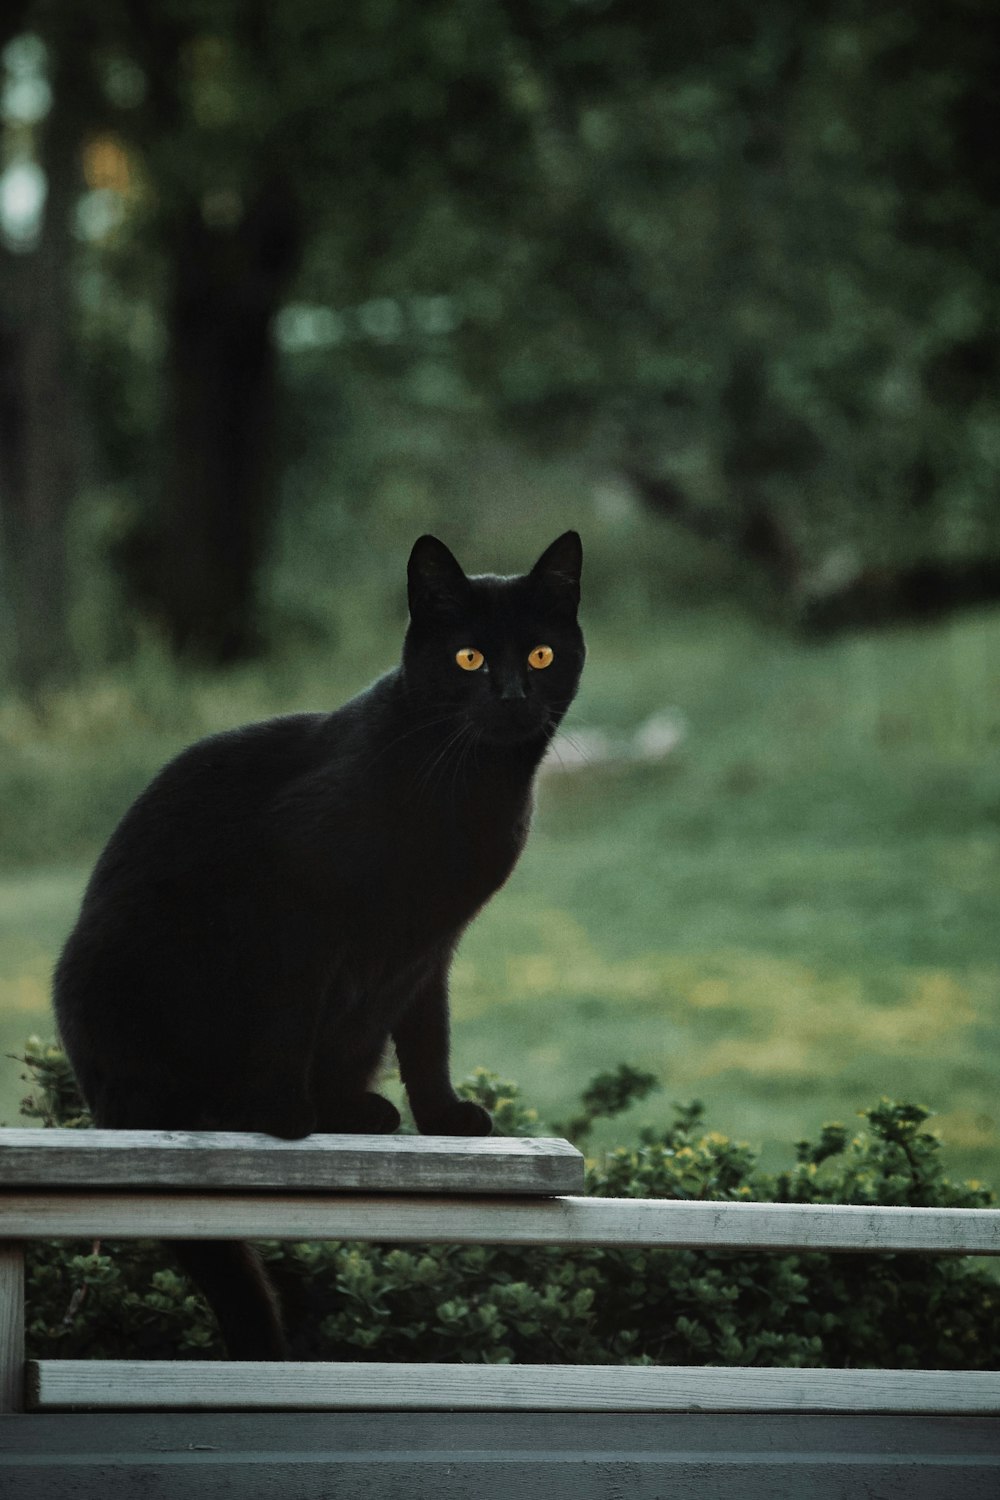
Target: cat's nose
<point>511,689</point>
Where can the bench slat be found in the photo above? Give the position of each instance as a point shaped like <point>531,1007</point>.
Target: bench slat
<point>130,1385</point>
<point>534,1455</point>
<point>214,1160</point>
<point>11,1325</point>
<point>626,1222</point>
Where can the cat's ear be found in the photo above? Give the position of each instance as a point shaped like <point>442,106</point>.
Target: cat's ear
<point>436,584</point>
<point>556,574</point>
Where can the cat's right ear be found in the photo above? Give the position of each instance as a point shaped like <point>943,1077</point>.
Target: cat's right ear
<point>557,573</point>
<point>436,585</point>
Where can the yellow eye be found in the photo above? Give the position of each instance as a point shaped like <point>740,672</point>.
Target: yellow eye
<point>469,659</point>
<point>540,657</point>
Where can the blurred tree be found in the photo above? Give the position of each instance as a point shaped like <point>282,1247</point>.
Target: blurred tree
<point>744,254</point>
<point>765,273</point>
<point>246,127</point>
<point>258,126</point>
<point>39,438</point>
<point>217,154</point>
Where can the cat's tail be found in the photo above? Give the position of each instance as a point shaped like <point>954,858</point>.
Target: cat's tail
<point>237,1288</point>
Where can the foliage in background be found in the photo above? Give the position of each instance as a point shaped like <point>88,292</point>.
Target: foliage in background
<point>502,1304</point>
<point>740,256</point>
<point>605,1096</point>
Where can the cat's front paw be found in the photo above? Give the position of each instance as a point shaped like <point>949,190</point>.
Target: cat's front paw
<point>366,1114</point>
<point>461,1117</point>
<point>377,1116</point>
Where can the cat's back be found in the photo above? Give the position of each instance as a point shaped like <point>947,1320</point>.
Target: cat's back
<point>209,801</point>
<point>209,828</point>
<point>191,867</point>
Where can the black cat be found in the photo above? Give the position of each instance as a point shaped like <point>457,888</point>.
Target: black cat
<point>285,898</point>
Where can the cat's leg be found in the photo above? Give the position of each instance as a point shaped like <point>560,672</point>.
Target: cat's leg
<point>259,1084</point>
<point>346,1059</point>
<point>346,1104</point>
<point>421,1035</point>
<point>263,1082</point>
<point>288,1115</point>
<point>358,1114</point>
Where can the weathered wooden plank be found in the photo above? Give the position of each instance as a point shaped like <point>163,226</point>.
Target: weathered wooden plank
<point>11,1326</point>
<point>627,1222</point>
<point>709,1433</point>
<point>196,1385</point>
<point>537,1456</point>
<point>214,1160</point>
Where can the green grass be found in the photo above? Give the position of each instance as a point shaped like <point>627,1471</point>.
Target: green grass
<point>37,908</point>
<point>793,913</point>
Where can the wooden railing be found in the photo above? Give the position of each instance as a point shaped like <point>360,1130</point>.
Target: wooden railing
<point>124,1185</point>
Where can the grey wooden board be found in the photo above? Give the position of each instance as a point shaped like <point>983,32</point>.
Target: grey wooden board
<point>137,1384</point>
<point>11,1326</point>
<point>387,1456</point>
<point>213,1160</point>
<point>631,1223</point>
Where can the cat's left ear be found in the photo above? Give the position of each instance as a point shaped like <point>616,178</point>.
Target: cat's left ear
<point>437,586</point>
<point>557,573</point>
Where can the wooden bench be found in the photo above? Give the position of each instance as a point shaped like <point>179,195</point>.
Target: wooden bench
<point>115,1429</point>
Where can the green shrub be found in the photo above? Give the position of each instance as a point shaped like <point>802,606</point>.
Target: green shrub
<point>498,1304</point>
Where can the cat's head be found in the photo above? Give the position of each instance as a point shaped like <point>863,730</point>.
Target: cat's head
<point>504,655</point>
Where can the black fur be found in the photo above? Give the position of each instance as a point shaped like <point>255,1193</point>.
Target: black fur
<point>285,898</point>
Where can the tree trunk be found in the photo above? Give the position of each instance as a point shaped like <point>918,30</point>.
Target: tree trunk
<point>39,449</point>
<point>195,571</point>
